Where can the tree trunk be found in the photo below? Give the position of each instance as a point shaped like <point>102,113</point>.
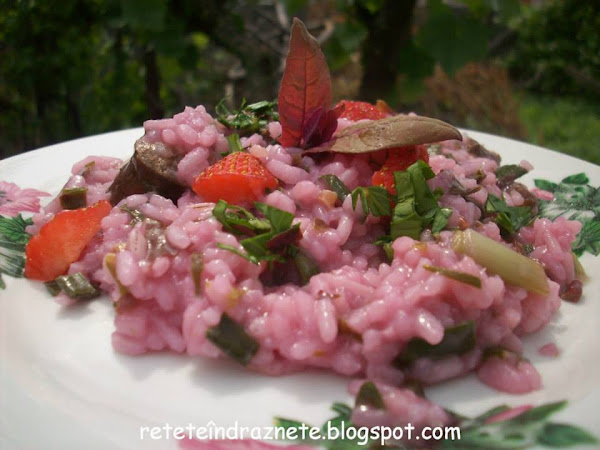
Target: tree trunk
<point>388,31</point>
<point>152,80</point>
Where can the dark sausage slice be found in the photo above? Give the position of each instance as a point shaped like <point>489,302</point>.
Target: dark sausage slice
<point>152,168</point>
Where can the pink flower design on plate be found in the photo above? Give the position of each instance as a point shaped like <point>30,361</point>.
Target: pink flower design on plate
<point>14,200</point>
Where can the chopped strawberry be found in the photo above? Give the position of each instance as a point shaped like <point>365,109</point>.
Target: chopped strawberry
<point>398,159</point>
<point>361,110</point>
<point>61,241</point>
<point>238,178</point>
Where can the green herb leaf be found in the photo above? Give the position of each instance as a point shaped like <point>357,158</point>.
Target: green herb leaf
<point>369,396</point>
<point>248,119</point>
<point>440,220</point>
<point>560,435</point>
<point>231,338</point>
<point>458,339</point>
<point>509,218</point>
<point>2,283</point>
<point>336,185</point>
<point>77,286</point>
<point>279,220</point>
<point>463,277</point>
<point>506,175</point>
<point>406,221</point>
<point>373,199</point>
<point>239,221</point>
<point>305,265</point>
<point>417,206</point>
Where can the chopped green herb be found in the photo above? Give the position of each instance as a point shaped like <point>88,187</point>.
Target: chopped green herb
<point>417,206</point>
<point>305,265</point>
<point>406,221</point>
<point>135,213</point>
<point>73,198</point>
<point>509,218</point>
<point>458,339</point>
<point>239,221</point>
<point>197,265</point>
<point>77,286</point>
<point>273,239</point>
<point>336,185</point>
<point>231,338</point>
<point>506,175</point>
<point>278,219</point>
<point>248,119</point>
<point>369,397</point>
<point>463,277</point>
<point>373,199</point>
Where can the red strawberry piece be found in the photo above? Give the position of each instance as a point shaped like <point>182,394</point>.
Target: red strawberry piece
<point>361,110</point>
<point>238,178</point>
<point>398,159</point>
<point>61,241</point>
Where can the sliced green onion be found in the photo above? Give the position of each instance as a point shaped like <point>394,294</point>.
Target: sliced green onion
<point>511,266</point>
<point>463,277</point>
<point>77,286</point>
<point>53,288</point>
<point>369,397</point>
<point>457,340</point>
<point>197,265</point>
<point>73,198</point>
<point>231,338</point>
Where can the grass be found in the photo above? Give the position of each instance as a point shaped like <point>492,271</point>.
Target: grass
<point>569,125</point>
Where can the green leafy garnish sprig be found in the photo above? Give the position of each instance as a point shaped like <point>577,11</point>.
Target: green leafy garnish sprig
<point>510,219</point>
<point>249,118</point>
<point>417,207</point>
<point>273,238</point>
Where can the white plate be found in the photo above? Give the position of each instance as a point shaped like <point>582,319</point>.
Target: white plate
<point>62,385</point>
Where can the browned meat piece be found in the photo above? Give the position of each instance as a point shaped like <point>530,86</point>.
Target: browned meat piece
<point>476,149</point>
<point>152,168</point>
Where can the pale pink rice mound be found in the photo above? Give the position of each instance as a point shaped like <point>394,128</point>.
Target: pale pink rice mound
<point>160,307</point>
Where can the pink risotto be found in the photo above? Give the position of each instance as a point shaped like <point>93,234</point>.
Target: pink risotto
<point>385,310</point>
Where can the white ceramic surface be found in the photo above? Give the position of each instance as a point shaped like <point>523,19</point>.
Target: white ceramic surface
<point>62,386</point>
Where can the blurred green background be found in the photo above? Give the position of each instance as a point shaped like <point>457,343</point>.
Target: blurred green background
<point>524,69</point>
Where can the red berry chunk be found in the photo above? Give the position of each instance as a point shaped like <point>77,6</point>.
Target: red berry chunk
<point>61,241</point>
<point>361,110</point>
<point>238,178</point>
